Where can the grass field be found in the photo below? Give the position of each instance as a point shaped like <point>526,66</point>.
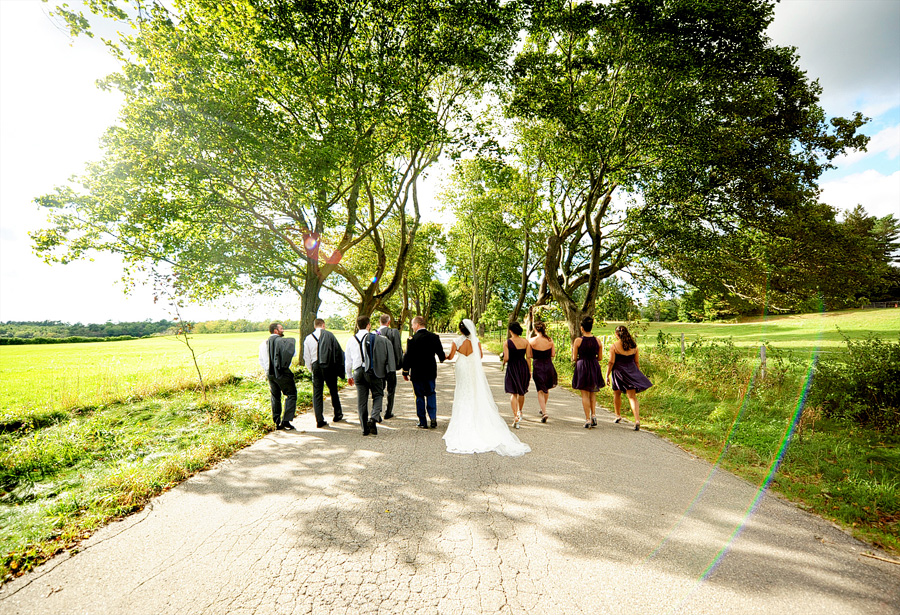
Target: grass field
<point>90,432</point>
<point>717,405</point>
<point>40,384</point>
<point>799,333</point>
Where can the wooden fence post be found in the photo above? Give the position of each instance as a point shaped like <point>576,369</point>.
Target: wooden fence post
<point>762,362</point>
<point>682,347</point>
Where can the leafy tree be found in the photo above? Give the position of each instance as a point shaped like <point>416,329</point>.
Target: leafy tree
<point>810,255</point>
<point>498,218</point>
<point>261,141</point>
<point>614,302</point>
<point>646,121</point>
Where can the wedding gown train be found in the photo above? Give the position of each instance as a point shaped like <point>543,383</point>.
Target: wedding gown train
<point>475,422</point>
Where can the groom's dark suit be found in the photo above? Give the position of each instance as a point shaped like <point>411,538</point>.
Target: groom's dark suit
<point>420,367</point>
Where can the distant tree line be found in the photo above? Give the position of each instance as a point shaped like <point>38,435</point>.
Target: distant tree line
<point>56,332</point>
<point>55,329</point>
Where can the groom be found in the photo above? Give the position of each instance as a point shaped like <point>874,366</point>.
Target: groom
<point>420,367</point>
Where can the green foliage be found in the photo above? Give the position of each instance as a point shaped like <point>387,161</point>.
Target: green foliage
<point>336,321</point>
<point>498,217</point>
<point>797,262</point>
<point>596,91</point>
<point>862,385</point>
<point>614,302</point>
<point>260,146</point>
<point>19,341</point>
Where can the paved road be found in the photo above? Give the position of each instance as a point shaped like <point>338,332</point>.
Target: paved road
<point>591,521</point>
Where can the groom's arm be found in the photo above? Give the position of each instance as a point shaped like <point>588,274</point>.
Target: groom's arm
<point>407,359</point>
<point>439,348</point>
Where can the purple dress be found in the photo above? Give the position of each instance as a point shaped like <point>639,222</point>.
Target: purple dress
<point>517,373</point>
<point>544,374</point>
<point>625,375</point>
<point>587,376</point>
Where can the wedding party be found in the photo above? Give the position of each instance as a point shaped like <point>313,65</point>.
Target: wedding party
<point>371,360</point>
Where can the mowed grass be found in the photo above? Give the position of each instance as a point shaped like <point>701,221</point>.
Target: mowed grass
<point>798,333</point>
<point>40,384</point>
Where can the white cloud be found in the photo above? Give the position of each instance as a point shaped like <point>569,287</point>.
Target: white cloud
<point>852,47</point>
<point>885,142</point>
<point>878,194</point>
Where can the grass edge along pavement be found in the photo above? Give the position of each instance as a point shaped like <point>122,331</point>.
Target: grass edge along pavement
<point>63,482</point>
<point>717,406</point>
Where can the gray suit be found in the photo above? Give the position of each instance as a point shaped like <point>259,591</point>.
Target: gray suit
<point>368,382</point>
<point>393,336</point>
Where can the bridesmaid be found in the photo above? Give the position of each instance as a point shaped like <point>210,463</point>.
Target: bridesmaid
<point>544,374</point>
<point>624,374</point>
<point>588,377</point>
<point>517,356</point>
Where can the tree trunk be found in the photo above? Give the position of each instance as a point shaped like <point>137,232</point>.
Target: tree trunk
<point>523,289</point>
<point>310,301</point>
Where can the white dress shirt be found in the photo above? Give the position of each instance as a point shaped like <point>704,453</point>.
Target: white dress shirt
<point>264,355</point>
<point>311,348</point>
<point>353,356</point>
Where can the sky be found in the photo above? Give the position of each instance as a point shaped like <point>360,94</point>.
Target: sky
<point>52,116</point>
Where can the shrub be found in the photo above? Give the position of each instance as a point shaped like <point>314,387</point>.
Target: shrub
<point>863,387</point>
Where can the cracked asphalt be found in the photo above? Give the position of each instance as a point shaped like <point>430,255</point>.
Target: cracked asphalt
<point>606,520</point>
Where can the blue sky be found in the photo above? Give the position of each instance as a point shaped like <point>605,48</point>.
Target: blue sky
<point>52,116</point>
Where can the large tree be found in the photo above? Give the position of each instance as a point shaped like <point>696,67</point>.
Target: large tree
<point>647,120</point>
<point>807,256</point>
<point>263,140</point>
<point>498,220</point>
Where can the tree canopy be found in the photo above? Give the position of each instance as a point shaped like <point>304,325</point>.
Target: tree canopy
<point>276,144</point>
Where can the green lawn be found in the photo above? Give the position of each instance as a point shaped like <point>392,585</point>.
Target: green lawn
<point>43,382</point>
<point>800,333</point>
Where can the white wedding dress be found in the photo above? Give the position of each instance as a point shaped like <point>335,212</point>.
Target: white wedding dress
<point>475,423</point>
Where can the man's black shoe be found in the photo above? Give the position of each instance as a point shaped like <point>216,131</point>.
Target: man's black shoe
<point>338,419</point>
<point>389,415</point>
<point>288,426</point>
<point>434,424</point>
<point>379,420</point>
<point>420,426</point>
<point>322,424</point>
<point>278,426</point>
<point>373,428</point>
<point>365,427</point>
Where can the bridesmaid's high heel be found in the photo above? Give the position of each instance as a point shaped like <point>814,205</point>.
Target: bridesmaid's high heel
<point>587,425</point>
<point>593,421</point>
<point>618,419</point>
<point>637,426</point>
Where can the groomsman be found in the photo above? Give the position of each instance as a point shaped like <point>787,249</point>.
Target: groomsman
<point>275,355</point>
<point>369,358</point>
<point>420,367</point>
<point>324,358</point>
<point>393,336</point>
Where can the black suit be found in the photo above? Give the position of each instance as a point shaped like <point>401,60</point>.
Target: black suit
<point>281,378</point>
<point>328,365</point>
<point>420,366</point>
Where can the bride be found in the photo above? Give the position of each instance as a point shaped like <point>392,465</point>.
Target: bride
<point>475,423</point>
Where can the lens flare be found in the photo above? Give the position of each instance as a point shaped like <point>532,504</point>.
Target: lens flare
<point>778,457</point>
